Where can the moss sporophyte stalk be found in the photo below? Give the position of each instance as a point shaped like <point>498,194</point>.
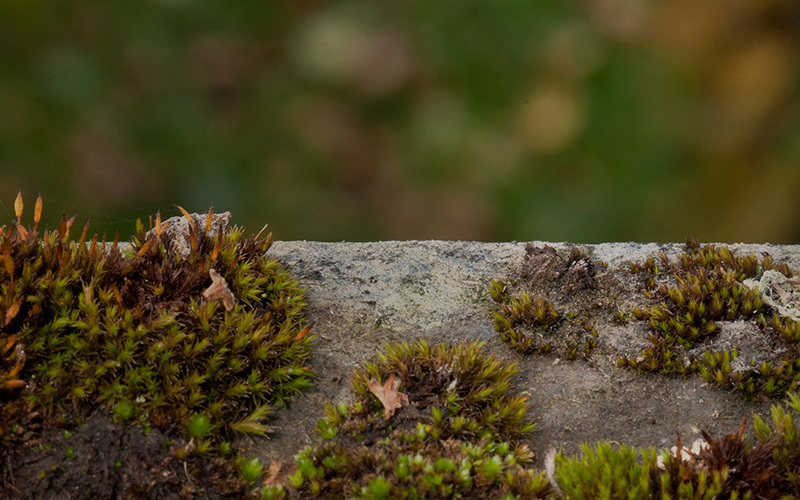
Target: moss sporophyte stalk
<point>86,325</point>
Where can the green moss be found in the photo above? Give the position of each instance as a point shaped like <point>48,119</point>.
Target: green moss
<point>455,438</point>
<point>726,467</point>
<point>85,325</point>
<point>515,312</point>
<point>694,292</point>
<point>526,317</point>
<point>422,452</point>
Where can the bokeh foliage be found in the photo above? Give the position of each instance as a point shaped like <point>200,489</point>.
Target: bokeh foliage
<point>586,120</point>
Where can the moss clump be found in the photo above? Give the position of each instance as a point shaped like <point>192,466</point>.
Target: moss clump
<point>551,309</point>
<point>701,287</point>
<point>434,448</point>
<point>523,312</point>
<point>142,332</point>
<point>454,438</point>
<point>727,467</point>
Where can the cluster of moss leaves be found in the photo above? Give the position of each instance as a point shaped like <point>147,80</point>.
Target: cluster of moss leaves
<point>460,436</point>
<point>529,322</point>
<point>729,467</point>
<point>456,438</point>
<point>691,294</point>
<point>523,310</point>
<point>86,325</point>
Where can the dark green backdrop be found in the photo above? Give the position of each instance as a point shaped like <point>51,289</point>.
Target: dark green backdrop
<point>583,120</point>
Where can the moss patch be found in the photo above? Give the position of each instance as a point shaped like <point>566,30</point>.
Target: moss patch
<point>199,346</point>
<point>697,297</point>
<point>700,317</point>
<point>457,436</point>
<point>453,440</point>
<point>554,303</point>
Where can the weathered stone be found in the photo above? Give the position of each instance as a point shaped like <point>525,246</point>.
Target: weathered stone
<point>178,229</point>
<point>780,292</point>
<point>364,295</point>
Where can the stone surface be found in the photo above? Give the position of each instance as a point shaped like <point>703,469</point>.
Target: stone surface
<point>780,292</point>
<point>177,229</point>
<point>363,295</point>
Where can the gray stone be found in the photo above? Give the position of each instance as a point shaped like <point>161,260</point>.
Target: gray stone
<point>178,229</point>
<point>364,295</point>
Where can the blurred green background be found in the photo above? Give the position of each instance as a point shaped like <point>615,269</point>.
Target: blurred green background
<point>582,120</point>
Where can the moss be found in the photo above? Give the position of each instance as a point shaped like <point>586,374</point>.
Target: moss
<point>429,449</point>
<point>144,334</point>
<point>457,436</point>
<point>516,314</point>
<point>526,316</point>
<point>726,467</point>
<point>691,295</point>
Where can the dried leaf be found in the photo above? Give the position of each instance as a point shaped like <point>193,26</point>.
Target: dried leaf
<point>219,290</point>
<point>12,311</point>
<point>387,393</point>
<point>273,471</point>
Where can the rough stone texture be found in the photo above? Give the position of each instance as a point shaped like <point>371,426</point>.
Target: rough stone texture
<point>780,292</point>
<point>363,295</point>
<point>177,228</point>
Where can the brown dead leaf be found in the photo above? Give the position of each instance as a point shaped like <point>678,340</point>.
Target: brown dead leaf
<point>219,290</point>
<point>387,393</point>
<point>273,472</point>
<point>12,311</point>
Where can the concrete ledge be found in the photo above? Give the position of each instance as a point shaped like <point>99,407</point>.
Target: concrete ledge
<point>363,295</point>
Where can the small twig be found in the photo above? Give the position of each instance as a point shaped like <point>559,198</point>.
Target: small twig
<point>10,472</point>
<point>186,470</point>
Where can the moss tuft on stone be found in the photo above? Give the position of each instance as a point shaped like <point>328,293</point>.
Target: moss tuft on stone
<point>206,343</point>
